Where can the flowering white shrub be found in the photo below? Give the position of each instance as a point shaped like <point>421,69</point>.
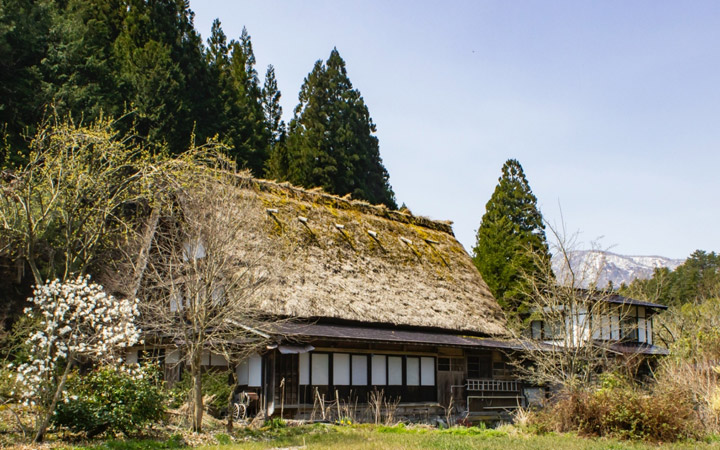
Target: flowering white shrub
<point>77,318</point>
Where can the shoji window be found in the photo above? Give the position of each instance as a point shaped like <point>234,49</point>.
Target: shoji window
<point>341,369</point>
<point>249,372</point>
<point>242,373</point>
<point>359,370</point>
<point>379,370</point>
<point>395,373</point>
<point>255,371</point>
<point>304,367</point>
<point>320,369</point>
<point>413,371</point>
<point>427,371</point>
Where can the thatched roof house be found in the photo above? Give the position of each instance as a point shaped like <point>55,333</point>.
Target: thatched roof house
<point>345,259</point>
<point>377,299</point>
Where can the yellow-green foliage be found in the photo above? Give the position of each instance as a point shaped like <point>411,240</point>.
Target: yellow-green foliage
<point>696,329</point>
<point>85,187</point>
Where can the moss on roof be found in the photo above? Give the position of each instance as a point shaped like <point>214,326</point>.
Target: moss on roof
<point>412,272</point>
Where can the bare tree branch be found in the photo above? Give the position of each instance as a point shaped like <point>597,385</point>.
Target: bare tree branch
<point>206,272</point>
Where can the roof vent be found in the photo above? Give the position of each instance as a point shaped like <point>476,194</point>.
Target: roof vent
<point>302,219</point>
<point>373,234</point>
<point>341,229</point>
<point>406,240</point>
<point>431,243</point>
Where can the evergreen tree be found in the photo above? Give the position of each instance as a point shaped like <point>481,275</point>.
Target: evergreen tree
<point>137,56</point>
<point>24,28</point>
<point>137,60</point>
<point>272,109</point>
<point>80,69</point>
<point>217,59</point>
<point>239,117</point>
<point>694,281</point>
<point>331,142</point>
<point>188,53</point>
<point>511,239</point>
<point>248,131</point>
<point>148,51</point>
<point>278,163</point>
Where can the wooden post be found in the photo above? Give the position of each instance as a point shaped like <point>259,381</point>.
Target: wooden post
<point>270,385</point>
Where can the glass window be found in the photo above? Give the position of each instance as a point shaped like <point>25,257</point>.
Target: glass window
<point>457,364</point>
<point>554,330</point>
<point>451,365</point>
<point>153,356</point>
<point>443,364</point>
<point>536,329</point>
<point>614,326</point>
<point>479,366</point>
<point>629,325</point>
<point>172,356</point>
<point>131,357</point>
<point>642,331</point>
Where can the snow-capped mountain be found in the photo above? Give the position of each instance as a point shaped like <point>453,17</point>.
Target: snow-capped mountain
<point>599,267</point>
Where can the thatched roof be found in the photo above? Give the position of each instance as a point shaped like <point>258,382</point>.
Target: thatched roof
<point>345,259</point>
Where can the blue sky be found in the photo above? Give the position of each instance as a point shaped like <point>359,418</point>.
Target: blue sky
<point>612,107</point>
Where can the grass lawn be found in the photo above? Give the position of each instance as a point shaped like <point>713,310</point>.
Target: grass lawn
<point>377,437</point>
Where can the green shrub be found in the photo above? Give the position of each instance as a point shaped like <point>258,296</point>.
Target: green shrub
<point>215,384</point>
<point>275,423</point>
<point>111,399</point>
<point>223,439</point>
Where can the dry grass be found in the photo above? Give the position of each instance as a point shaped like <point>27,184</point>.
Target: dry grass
<point>623,412</point>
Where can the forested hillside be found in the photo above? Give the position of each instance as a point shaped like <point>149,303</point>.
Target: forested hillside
<point>693,282</point>
<point>144,64</point>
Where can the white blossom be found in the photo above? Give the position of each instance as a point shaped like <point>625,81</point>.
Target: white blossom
<point>77,318</point>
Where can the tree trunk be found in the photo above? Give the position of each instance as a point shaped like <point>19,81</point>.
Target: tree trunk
<point>231,397</point>
<point>35,271</point>
<point>142,259</point>
<point>197,400</point>
<point>48,414</point>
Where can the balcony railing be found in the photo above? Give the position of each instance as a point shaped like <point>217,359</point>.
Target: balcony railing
<point>487,394</point>
<point>485,385</point>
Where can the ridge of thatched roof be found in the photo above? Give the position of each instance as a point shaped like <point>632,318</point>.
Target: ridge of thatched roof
<point>320,197</point>
<point>338,258</point>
